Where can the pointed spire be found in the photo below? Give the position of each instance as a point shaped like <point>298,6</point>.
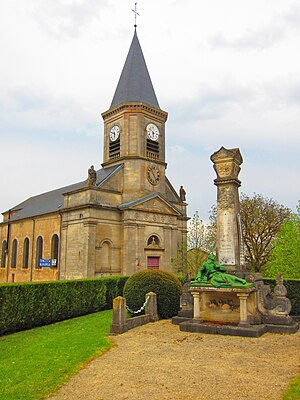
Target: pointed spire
<point>135,83</point>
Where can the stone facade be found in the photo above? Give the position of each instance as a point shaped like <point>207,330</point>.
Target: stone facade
<point>45,226</point>
<point>125,217</point>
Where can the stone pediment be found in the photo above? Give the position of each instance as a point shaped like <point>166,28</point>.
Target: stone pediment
<point>155,203</point>
<point>223,154</point>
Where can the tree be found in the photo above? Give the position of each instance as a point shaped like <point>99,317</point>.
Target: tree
<point>200,235</point>
<point>261,221</point>
<point>285,254</point>
<point>200,242</point>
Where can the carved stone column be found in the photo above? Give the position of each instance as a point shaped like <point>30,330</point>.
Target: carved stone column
<point>229,242</point>
<point>197,305</point>
<point>243,308</point>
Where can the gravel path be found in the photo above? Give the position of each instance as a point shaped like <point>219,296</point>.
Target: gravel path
<point>157,361</point>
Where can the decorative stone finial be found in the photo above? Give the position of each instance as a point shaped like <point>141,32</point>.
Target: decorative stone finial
<point>227,164</point>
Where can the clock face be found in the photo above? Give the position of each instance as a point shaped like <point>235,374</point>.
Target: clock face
<point>114,133</point>
<point>153,174</point>
<point>152,132</point>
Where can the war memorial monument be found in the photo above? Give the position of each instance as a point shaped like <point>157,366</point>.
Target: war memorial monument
<point>224,298</point>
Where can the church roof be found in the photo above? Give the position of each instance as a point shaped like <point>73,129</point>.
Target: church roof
<point>135,83</point>
<point>53,201</point>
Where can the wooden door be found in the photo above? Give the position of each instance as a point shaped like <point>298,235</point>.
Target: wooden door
<point>152,262</point>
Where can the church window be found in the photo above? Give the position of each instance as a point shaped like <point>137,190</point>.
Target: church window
<point>26,253</point>
<point>152,149</point>
<point>39,250</point>
<point>14,253</point>
<point>153,241</point>
<point>3,254</point>
<point>54,248</point>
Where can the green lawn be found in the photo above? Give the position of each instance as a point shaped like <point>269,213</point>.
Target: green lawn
<point>293,392</point>
<point>37,362</point>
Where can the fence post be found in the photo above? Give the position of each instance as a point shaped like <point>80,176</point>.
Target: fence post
<point>151,306</point>
<point>119,324</point>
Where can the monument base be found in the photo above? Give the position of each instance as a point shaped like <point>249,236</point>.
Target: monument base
<point>215,329</point>
<point>236,312</point>
<point>183,315</point>
<point>193,325</point>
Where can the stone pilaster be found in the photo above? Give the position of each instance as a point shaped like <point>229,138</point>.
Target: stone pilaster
<point>90,245</point>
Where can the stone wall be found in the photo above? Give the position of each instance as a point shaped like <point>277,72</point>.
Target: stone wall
<point>44,226</point>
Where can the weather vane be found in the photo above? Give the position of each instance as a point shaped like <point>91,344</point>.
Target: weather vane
<point>135,14</point>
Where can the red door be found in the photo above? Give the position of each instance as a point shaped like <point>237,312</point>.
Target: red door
<point>153,263</point>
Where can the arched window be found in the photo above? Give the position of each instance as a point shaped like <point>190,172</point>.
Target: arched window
<point>3,254</point>
<point>26,253</point>
<point>54,248</point>
<point>39,250</point>
<point>153,241</point>
<point>14,253</point>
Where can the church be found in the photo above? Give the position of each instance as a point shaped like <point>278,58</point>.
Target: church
<point>125,217</point>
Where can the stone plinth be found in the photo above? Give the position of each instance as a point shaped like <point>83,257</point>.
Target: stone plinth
<point>233,311</point>
<point>234,306</point>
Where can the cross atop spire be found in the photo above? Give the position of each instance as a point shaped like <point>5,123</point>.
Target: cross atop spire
<point>135,14</point>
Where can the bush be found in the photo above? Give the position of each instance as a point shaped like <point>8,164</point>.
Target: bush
<point>166,286</point>
<point>293,292</point>
<point>26,305</point>
<point>114,287</point>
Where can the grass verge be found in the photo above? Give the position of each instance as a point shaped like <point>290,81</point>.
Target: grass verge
<point>35,363</point>
<point>293,392</point>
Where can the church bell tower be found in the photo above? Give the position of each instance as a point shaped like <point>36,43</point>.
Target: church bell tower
<point>134,129</point>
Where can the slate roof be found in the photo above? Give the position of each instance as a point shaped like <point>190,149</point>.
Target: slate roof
<point>54,200</point>
<point>135,83</point>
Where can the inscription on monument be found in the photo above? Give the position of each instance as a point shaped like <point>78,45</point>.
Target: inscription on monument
<point>226,244</point>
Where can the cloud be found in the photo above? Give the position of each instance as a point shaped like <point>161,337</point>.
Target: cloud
<point>37,114</point>
<point>292,17</point>
<point>211,101</point>
<point>251,40</point>
<point>284,92</point>
<point>225,78</point>
<point>31,167</point>
<point>66,18</point>
<point>276,27</point>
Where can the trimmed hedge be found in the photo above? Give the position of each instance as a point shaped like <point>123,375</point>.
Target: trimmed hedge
<point>293,292</point>
<point>27,305</point>
<point>166,286</point>
<point>114,287</point>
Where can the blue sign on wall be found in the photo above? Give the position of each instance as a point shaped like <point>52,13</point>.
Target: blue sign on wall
<point>44,263</point>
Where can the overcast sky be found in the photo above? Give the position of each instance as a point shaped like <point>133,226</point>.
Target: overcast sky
<point>226,71</point>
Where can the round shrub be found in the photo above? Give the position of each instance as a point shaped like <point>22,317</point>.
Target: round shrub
<point>166,286</point>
